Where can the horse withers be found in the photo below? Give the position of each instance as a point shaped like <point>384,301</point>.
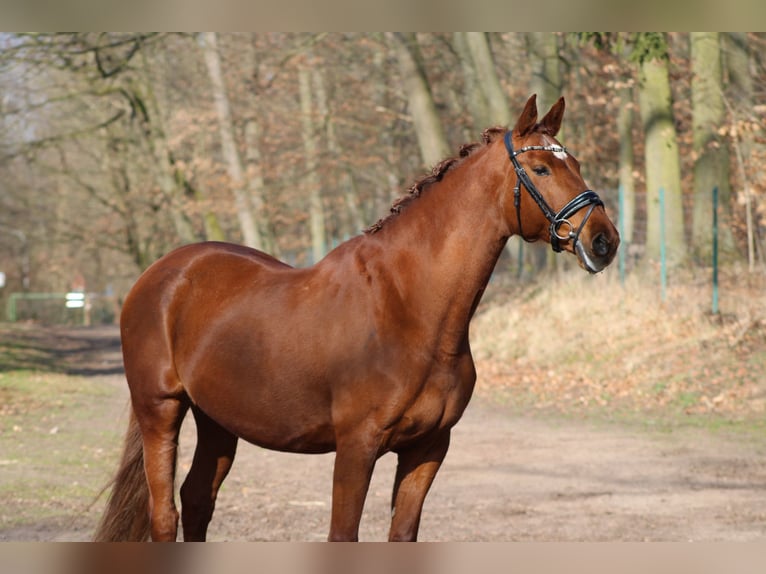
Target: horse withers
<point>363,353</point>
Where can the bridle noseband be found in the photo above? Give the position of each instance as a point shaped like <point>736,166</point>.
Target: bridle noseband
<point>584,199</point>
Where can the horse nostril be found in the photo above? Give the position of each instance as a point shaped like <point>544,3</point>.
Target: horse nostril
<point>600,245</point>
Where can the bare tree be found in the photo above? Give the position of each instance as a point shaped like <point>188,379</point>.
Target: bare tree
<point>543,50</point>
<point>741,69</point>
<point>312,181</point>
<point>627,167</point>
<point>488,80</point>
<point>250,229</point>
<point>661,156</point>
<point>428,127</point>
<point>711,149</point>
<point>253,154</point>
<point>474,94</point>
<point>355,219</point>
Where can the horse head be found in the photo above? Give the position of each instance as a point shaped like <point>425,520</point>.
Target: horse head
<point>550,199</point>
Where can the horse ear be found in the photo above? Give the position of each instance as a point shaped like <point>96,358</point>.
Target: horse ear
<point>551,123</point>
<point>528,117</point>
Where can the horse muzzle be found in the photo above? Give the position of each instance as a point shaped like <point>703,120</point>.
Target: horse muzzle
<point>597,252</point>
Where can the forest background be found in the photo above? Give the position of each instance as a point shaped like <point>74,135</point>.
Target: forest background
<point>115,148</point>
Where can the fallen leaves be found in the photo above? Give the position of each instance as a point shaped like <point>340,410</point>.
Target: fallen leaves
<point>634,354</point>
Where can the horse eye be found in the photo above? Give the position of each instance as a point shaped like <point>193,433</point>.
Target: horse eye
<point>541,170</point>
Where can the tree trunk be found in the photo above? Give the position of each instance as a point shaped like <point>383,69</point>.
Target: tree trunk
<point>711,150</point>
<point>428,128</point>
<point>546,71</point>
<point>248,225</point>
<point>390,150</point>
<point>489,83</point>
<point>627,164</point>
<point>740,90</point>
<point>154,136</point>
<point>137,237</point>
<point>352,218</point>
<point>313,183</point>
<point>212,226</point>
<point>475,99</point>
<point>256,185</point>
<point>662,161</point>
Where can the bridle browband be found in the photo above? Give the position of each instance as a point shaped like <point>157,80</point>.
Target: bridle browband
<point>556,220</point>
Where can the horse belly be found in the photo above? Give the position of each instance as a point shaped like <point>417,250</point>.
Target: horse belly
<point>285,418</point>
<point>260,389</point>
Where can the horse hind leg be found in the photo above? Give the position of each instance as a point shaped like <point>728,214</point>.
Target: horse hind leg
<point>160,422</point>
<point>213,458</point>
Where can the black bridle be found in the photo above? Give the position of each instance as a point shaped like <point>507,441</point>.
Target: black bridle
<point>557,220</point>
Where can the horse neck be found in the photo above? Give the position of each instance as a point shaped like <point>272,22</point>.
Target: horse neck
<point>448,240</point>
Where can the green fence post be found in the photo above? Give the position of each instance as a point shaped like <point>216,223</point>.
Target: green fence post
<point>715,250</point>
<point>621,229</point>
<point>663,249</point>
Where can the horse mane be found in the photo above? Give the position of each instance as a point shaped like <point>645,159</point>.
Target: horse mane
<point>436,175</point>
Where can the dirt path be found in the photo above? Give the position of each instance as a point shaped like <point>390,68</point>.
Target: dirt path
<point>506,478</point>
<point>523,479</point>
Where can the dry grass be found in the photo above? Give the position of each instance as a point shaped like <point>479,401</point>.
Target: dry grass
<point>585,341</point>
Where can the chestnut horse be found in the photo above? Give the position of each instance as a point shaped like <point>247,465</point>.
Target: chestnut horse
<point>365,352</point>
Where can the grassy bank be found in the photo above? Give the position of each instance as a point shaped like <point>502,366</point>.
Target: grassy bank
<point>593,347</point>
<point>59,432</point>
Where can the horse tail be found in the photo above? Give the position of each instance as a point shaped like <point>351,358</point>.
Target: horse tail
<point>126,517</point>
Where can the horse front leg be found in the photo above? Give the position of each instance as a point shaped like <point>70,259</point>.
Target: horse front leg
<point>415,472</point>
<point>354,462</point>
